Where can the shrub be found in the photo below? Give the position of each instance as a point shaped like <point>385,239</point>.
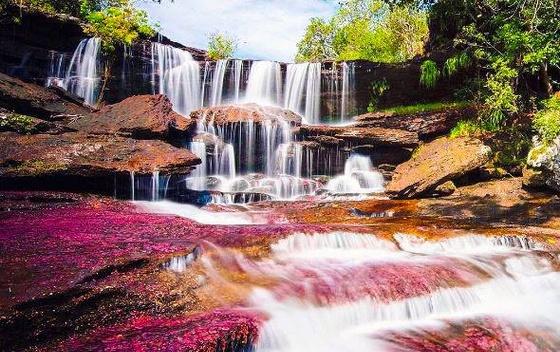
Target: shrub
<point>429,74</point>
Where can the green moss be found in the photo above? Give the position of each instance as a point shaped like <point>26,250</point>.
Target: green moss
<point>15,122</point>
<point>424,107</point>
<point>38,167</point>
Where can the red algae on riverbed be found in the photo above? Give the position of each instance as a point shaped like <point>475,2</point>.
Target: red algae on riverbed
<point>51,249</point>
<point>219,330</point>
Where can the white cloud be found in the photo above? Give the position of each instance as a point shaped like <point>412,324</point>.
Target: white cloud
<point>266,29</point>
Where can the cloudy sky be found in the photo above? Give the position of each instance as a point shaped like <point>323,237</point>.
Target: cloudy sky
<point>266,29</point>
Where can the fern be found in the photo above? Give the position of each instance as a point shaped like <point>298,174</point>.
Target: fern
<point>456,63</point>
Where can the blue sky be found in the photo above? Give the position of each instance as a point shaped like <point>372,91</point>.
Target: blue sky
<point>266,29</point>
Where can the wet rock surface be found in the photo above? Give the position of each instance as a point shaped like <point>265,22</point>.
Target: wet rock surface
<point>30,99</point>
<point>138,117</point>
<point>84,155</point>
<point>228,114</point>
<point>435,163</point>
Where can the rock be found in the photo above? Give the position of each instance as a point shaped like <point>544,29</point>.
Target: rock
<point>23,124</point>
<point>544,158</point>
<point>139,117</point>
<point>425,124</point>
<point>533,179</point>
<point>78,154</point>
<point>227,114</point>
<point>30,99</point>
<point>435,163</point>
<point>445,189</point>
<point>363,135</point>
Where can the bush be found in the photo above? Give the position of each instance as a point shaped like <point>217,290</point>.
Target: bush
<point>221,46</point>
<point>547,121</point>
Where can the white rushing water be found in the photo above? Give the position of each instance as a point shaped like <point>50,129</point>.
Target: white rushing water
<point>521,288</point>
<point>83,75</point>
<point>178,77</point>
<point>264,85</point>
<point>359,177</point>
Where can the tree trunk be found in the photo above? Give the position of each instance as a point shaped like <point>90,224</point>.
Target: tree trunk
<point>545,79</point>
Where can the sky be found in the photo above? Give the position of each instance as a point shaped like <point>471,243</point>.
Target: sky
<point>265,29</point>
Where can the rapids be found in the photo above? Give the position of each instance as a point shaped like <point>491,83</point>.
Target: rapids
<point>343,291</point>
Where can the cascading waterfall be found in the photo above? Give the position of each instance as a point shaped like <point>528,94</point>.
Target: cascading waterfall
<point>83,75</point>
<point>347,89</point>
<point>265,83</point>
<point>56,70</point>
<point>238,75</point>
<point>303,86</point>
<point>178,77</point>
<point>218,83</point>
<point>359,177</point>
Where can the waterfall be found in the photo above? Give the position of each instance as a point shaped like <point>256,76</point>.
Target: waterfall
<point>237,74</point>
<point>265,83</point>
<point>359,177</point>
<point>56,73</point>
<point>303,80</point>
<point>313,93</point>
<point>347,89</point>
<point>197,178</point>
<point>218,83</point>
<point>179,77</point>
<point>83,74</point>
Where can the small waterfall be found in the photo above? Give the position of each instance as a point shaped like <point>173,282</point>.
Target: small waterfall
<point>179,77</point>
<point>197,178</point>
<point>83,74</point>
<point>303,81</point>
<point>218,83</point>
<point>347,89</point>
<point>265,83</point>
<point>237,74</point>
<point>313,93</point>
<point>359,177</point>
<point>57,71</point>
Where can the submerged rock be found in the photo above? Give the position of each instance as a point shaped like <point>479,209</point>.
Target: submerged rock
<point>140,117</point>
<point>435,163</point>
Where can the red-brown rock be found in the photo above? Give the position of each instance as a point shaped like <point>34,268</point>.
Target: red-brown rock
<point>34,100</point>
<point>221,115</point>
<point>79,154</point>
<point>435,163</point>
<point>140,117</point>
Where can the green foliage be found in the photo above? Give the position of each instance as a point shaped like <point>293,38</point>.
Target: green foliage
<point>119,24</point>
<point>425,107</point>
<point>501,99</point>
<point>221,46</point>
<point>16,122</point>
<point>456,63</point>
<point>465,128</point>
<point>366,30</point>
<point>547,120</point>
<point>429,74</point>
<point>378,88</point>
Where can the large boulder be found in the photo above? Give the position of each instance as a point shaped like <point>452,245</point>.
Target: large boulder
<point>544,166</point>
<point>435,163</point>
<point>79,154</point>
<point>139,117</point>
<point>34,100</point>
<point>228,114</point>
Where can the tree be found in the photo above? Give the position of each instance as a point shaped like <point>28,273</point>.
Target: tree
<point>317,42</point>
<point>366,29</point>
<point>221,46</point>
